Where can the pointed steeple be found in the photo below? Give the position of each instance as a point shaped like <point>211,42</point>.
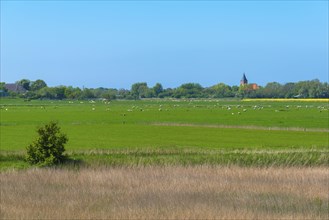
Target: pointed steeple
<point>244,80</point>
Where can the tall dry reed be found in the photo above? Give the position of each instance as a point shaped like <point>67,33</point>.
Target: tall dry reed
<point>199,192</point>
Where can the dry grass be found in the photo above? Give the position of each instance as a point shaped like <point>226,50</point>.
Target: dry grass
<point>199,192</point>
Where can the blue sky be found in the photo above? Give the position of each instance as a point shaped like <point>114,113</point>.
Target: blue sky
<point>114,44</point>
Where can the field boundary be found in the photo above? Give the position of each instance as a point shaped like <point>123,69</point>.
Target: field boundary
<point>247,127</point>
<point>98,158</point>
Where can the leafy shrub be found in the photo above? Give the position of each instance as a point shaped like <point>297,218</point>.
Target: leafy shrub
<point>48,148</point>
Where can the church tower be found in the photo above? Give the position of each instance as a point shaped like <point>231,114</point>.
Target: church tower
<point>244,80</point>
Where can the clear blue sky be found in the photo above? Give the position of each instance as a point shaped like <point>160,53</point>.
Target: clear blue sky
<point>114,44</point>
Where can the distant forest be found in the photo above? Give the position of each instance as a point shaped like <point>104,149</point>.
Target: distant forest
<point>39,90</point>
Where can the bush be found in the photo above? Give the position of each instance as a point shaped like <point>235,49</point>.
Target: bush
<point>48,148</point>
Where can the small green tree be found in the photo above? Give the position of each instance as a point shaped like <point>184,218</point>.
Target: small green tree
<point>48,148</point>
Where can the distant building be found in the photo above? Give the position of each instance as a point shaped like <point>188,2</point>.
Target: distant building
<point>253,86</point>
<point>244,83</point>
<point>14,87</point>
<point>244,80</point>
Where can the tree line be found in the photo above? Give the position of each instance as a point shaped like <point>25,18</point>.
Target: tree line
<point>39,90</point>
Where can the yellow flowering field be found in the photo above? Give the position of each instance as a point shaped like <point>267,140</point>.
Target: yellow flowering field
<point>288,100</point>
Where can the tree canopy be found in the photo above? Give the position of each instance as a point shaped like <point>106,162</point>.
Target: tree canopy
<point>304,89</point>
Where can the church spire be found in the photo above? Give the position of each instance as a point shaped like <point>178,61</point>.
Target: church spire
<point>244,80</point>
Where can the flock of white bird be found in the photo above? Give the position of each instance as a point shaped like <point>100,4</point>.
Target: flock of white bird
<point>165,107</point>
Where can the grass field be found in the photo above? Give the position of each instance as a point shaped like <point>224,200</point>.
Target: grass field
<point>169,159</point>
<point>163,131</point>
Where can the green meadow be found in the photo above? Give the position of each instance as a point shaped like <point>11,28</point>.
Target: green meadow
<point>174,131</point>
